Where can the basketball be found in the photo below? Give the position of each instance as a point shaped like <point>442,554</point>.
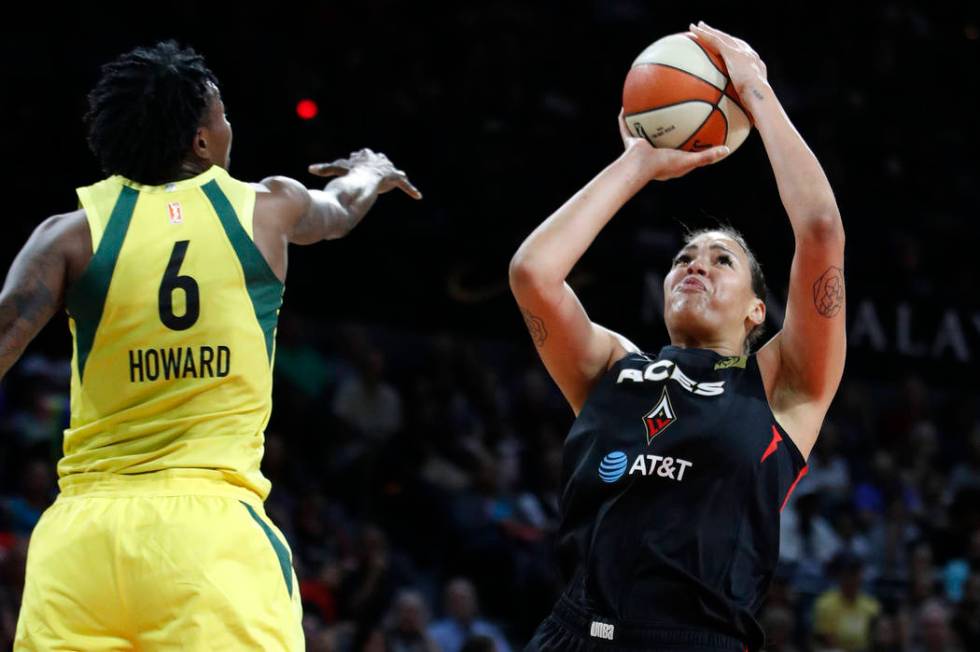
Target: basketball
<point>678,95</point>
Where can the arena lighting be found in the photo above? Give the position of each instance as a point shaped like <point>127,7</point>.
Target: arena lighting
<point>307,109</point>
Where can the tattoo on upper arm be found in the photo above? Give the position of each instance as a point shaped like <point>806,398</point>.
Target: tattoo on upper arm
<point>758,95</point>
<point>21,316</point>
<point>828,292</point>
<point>535,325</point>
<point>32,293</point>
<point>34,302</point>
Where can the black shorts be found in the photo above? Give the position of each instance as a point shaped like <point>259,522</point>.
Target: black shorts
<point>570,628</point>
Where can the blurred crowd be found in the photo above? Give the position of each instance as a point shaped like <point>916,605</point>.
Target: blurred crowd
<point>416,480</point>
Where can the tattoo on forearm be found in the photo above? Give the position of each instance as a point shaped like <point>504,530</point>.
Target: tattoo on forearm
<point>758,95</point>
<point>828,292</point>
<point>535,325</point>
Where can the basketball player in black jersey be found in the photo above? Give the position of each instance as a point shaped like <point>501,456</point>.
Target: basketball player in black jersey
<point>679,462</point>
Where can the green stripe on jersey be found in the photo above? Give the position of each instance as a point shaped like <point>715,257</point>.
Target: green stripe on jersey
<point>86,298</point>
<point>264,287</point>
<point>285,565</point>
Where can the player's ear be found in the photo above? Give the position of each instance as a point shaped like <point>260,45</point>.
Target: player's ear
<point>757,312</point>
<point>200,144</point>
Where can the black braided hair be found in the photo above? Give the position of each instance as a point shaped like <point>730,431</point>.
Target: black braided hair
<point>145,110</point>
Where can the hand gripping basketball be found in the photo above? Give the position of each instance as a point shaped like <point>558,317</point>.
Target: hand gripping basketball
<point>744,65</point>
<point>665,163</point>
<point>376,162</point>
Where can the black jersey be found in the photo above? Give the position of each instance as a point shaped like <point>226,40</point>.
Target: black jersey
<point>675,472</point>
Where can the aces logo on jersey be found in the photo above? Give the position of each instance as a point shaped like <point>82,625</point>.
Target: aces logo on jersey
<point>659,417</point>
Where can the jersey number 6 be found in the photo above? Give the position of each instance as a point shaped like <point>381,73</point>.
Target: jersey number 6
<point>172,280</point>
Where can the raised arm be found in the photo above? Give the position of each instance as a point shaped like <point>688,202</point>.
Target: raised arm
<point>575,350</point>
<point>803,364</point>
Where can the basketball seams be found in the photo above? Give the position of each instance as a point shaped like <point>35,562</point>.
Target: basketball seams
<point>724,140</point>
<point>708,57</point>
<point>738,117</point>
<point>667,106</point>
<point>681,50</point>
<point>700,127</point>
<point>737,101</point>
<point>695,133</point>
<point>650,86</point>
<point>686,72</point>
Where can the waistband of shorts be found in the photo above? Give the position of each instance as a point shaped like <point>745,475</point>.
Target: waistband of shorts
<point>641,636</point>
<point>168,482</point>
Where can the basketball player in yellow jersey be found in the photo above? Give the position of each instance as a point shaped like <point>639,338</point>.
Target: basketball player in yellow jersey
<point>172,276</point>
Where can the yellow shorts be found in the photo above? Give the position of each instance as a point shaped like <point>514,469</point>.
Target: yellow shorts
<point>175,560</point>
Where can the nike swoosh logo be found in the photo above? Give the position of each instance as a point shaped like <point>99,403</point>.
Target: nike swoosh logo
<point>773,445</point>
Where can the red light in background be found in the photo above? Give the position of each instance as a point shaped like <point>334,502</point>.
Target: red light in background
<point>307,109</point>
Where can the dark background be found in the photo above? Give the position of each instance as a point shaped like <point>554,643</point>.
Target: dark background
<point>499,111</point>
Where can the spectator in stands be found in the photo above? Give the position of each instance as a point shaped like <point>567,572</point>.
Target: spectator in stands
<point>374,577</point>
<point>462,619</point>
<point>367,402</point>
<point>843,615</point>
<point>406,627</point>
<point>966,474</point>
<point>886,634</point>
<point>932,631</point>
<point>966,621</point>
<point>778,623</point>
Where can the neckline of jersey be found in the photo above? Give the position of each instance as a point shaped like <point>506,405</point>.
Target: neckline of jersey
<point>714,355</point>
<point>183,184</point>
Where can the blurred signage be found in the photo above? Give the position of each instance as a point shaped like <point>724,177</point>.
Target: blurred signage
<point>913,330</point>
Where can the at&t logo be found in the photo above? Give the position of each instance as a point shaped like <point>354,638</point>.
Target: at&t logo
<point>613,466</point>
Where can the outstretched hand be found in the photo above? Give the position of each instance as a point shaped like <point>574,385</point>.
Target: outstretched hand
<point>663,163</point>
<point>376,162</point>
<point>744,65</point>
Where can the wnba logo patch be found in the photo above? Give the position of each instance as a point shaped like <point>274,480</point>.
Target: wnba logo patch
<point>613,466</point>
<point>175,213</point>
<point>602,630</point>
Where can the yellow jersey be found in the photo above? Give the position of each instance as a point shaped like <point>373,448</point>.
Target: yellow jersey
<point>174,323</point>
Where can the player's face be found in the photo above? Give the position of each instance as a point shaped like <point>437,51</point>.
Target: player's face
<point>708,293</point>
<point>216,132</point>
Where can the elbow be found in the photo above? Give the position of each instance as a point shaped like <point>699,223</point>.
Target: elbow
<point>527,275</point>
<point>520,273</point>
<point>823,226</point>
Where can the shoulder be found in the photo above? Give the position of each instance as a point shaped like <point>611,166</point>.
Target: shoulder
<point>828,600</point>
<point>486,628</point>
<point>60,245</point>
<point>441,627</point>
<point>71,237</point>
<point>281,198</point>
<point>63,224</point>
<point>281,189</point>
<point>66,232</point>
<point>869,605</point>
